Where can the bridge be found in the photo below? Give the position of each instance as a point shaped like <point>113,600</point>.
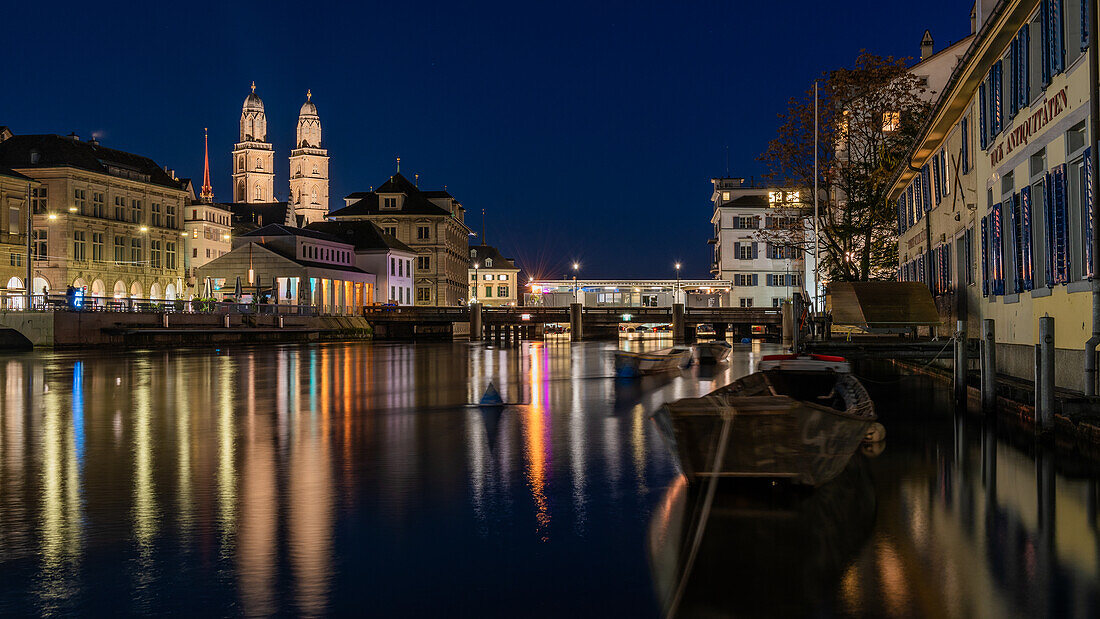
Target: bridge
<point>584,322</point>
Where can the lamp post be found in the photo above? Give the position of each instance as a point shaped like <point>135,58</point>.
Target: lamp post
<point>477,282</point>
<point>575,267</point>
<point>676,293</point>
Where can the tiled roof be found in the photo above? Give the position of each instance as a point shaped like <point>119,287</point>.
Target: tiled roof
<point>478,254</point>
<point>56,151</point>
<point>364,235</point>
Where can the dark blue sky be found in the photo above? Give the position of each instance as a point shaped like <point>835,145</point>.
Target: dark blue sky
<point>587,131</point>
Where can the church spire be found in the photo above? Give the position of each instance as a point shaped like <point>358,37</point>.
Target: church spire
<point>207,194</point>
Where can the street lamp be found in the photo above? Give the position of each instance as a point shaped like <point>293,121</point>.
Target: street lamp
<point>477,282</point>
<point>676,296</point>
<point>575,267</point>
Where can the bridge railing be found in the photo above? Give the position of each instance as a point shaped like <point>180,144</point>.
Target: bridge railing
<point>59,303</point>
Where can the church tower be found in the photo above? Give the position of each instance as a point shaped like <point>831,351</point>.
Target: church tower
<point>253,156</point>
<point>309,166</point>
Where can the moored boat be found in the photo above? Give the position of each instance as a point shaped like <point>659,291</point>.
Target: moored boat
<point>714,352</point>
<point>800,418</point>
<point>628,364</point>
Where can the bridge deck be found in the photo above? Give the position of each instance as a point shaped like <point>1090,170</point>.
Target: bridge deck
<point>592,315</point>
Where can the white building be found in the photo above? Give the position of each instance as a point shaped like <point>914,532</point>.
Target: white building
<point>206,225</point>
<point>751,222</point>
<point>389,260</point>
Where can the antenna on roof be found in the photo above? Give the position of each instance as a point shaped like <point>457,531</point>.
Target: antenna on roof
<point>482,226</point>
<point>399,165</point>
<point>417,177</point>
<point>727,160</point>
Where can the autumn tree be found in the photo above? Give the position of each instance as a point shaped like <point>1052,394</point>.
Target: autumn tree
<point>869,116</point>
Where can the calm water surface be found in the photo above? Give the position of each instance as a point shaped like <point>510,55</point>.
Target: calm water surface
<point>357,478</point>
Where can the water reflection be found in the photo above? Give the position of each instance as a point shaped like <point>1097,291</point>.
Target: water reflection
<point>306,479</point>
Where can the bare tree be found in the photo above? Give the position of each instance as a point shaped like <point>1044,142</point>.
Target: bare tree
<point>869,116</point>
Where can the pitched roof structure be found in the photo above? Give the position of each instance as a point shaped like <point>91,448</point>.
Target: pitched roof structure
<point>54,151</point>
<point>415,202</point>
<point>249,216</point>
<point>364,235</point>
<point>480,253</point>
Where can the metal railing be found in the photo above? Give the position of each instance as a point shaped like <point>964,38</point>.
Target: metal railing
<point>60,303</point>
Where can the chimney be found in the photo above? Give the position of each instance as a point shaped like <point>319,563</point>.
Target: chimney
<point>926,45</point>
<point>74,137</point>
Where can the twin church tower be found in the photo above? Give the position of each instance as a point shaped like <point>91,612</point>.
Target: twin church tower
<point>254,161</point>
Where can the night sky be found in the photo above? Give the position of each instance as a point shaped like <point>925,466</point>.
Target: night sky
<point>587,131</point>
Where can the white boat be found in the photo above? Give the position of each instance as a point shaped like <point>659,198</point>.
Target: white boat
<point>628,364</point>
<point>714,352</point>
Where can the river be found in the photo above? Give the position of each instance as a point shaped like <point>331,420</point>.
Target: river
<point>359,478</point>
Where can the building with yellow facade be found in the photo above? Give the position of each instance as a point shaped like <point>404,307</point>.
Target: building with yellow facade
<point>15,189</point>
<point>493,278</point>
<point>993,206</point>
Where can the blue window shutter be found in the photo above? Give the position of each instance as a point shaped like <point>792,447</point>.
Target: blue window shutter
<point>982,133</point>
<point>754,252</point>
<point>997,98</point>
<point>1061,238</point>
<point>964,153</point>
<point>1008,207</point>
<point>1087,207</point>
<point>736,251</point>
<point>768,279</point>
<point>1014,77</point>
<point>926,187</point>
<point>1027,274</point>
<point>1044,39</point>
<point>1057,38</point>
<point>985,256</point>
<point>899,206</point>
<point>1025,66</point>
<point>755,279</point>
<point>936,179</point>
<point>1085,24</point>
<point>996,249</point>
<point>1048,230</point>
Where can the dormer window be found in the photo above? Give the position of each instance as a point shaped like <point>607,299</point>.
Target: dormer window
<point>473,253</point>
<point>488,262</point>
<point>389,203</point>
<point>35,155</point>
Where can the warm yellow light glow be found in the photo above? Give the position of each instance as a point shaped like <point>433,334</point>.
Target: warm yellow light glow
<point>52,216</point>
<point>144,229</point>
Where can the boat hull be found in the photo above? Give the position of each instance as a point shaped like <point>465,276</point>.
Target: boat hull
<point>713,352</point>
<point>630,364</point>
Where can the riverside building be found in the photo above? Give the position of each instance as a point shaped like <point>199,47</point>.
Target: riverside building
<point>759,238</point>
<point>14,191</point>
<point>431,223</point>
<point>993,206</point>
<point>494,279</point>
<point>104,219</point>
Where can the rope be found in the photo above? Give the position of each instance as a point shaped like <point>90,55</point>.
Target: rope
<point>708,501</point>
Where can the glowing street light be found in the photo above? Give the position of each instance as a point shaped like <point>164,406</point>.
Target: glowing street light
<point>676,296</point>
<point>575,268</point>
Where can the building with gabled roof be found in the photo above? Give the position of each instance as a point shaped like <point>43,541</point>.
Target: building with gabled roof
<point>431,223</point>
<point>494,279</point>
<point>376,252</point>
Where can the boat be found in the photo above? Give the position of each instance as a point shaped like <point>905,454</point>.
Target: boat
<point>629,364</point>
<point>800,418</point>
<point>764,550</point>
<point>714,352</point>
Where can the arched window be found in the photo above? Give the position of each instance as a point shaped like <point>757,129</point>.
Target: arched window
<point>315,193</point>
<point>299,169</point>
<point>240,162</point>
<point>240,191</point>
<point>488,262</point>
<point>259,194</point>
<point>315,170</point>
<point>259,164</point>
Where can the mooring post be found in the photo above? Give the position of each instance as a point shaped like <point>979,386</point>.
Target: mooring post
<point>226,320</point>
<point>1038,403</point>
<point>961,361</point>
<point>576,326</point>
<point>475,322</point>
<point>678,335</point>
<point>164,319</point>
<point>989,364</point>
<point>1046,342</point>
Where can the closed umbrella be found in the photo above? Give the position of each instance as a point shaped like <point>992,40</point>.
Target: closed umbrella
<point>206,291</point>
<point>237,294</point>
<point>275,289</point>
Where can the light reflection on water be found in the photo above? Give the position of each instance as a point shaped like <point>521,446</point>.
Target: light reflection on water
<point>343,478</point>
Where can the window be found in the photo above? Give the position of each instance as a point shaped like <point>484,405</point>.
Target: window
<point>968,254</point>
<point>79,201</point>
<point>154,254</point>
<point>15,218</point>
<point>39,203</point>
<point>401,268</point>
<point>97,204</point>
<point>120,249</point>
<point>259,163</point>
<point>502,277</point>
<point>487,277</point>
<point>154,214</point>
<point>389,203</point>
<point>746,222</point>
<point>745,279</point>
<point>390,230</point>
<point>207,252</point>
<point>195,252</point>
<point>170,215</point>
<point>777,302</point>
<point>891,121</point>
<point>502,291</point>
<point>746,302</point>
<point>135,211</point>
<point>170,255</point>
<point>488,262</point>
<point>393,267</point>
<point>488,292</point>
<point>120,208</point>
<point>409,267</point>
<point>135,251</point>
<point>423,295</point>
<point>423,263</point>
<point>744,251</point>
<point>39,242</point>
<point>424,233</point>
<point>78,246</point>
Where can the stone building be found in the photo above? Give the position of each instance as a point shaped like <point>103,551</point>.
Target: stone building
<point>494,279</point>
<point>253,155</point>
<point>759,238</point>
<point>104,219</point>
<point>14,189</point>
<point>309,166</point>
<point>431,223</point>
<point>993,203</point>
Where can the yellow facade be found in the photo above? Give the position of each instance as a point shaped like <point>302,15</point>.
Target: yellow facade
<point>1036,148</point>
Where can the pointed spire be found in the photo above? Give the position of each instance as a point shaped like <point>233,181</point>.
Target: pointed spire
<point>253,86</point>
<point>207,194</point>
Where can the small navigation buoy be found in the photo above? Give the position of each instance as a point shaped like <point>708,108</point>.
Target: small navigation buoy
<point>491,397</point>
